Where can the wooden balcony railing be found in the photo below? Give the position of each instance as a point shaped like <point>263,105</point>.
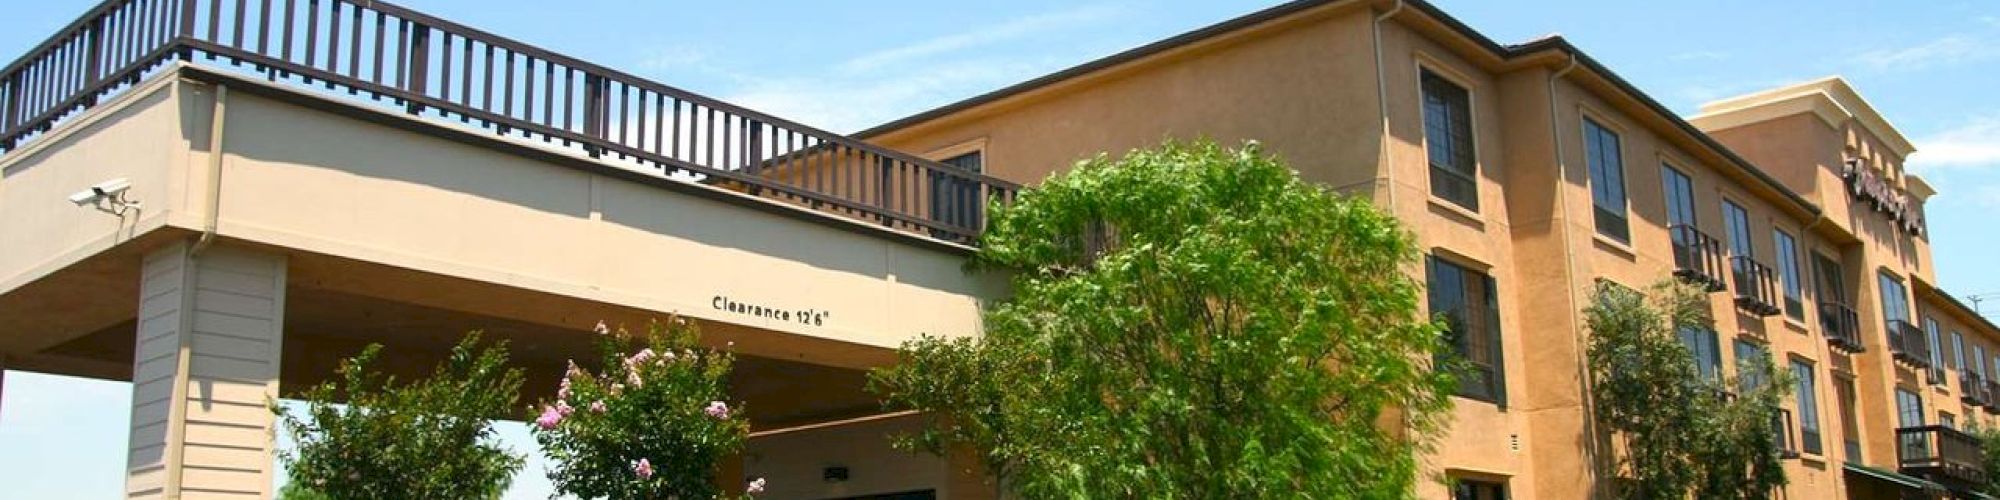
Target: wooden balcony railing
<point>1940,452</point>
<point>1841,326</point>
<point>383,54</point>
<point>1908,344</point>
<point>1697,257</point>
<point>1972,389</point>
<point>1992,396</point>
<point>1756,286</point>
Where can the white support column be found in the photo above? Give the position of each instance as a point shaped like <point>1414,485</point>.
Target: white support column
<point>205,366</point>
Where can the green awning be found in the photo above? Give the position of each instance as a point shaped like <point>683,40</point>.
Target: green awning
<point>1905,480</point>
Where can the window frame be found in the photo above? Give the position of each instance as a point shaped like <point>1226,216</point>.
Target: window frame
<point>1668,172</point>
<point>1493,387</point>
<point>1602,195</point>
<point>1469,172</point>
<point>1806,399</point>
<point>1791,284</point>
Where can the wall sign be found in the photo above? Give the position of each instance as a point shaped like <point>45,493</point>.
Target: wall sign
<point>1864,184</point>
<point>808,316</point>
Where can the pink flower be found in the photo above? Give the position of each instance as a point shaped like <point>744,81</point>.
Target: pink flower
<point>642,356</point>
<point>597,407</point>
<point>717,409</point>
<point>644,469</point>
<point>550,418</point>
<point>756,486</point>
<point>563,408</point>
<point>563,393</point>
<point>601,329</point>
<point>632,377</point>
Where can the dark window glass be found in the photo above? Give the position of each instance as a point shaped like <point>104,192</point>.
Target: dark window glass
<point>1607,180</point>
<point>1448,141</point>
<point>1808,401</point>
<point>1850,422</point>
<point>1788,271</point>
<point>1958,352</point>
<point>1707,351</point>
<point>1737,222</point>
<point>1831,287</point>
<point>1466,300</point>
<point>955,200</point>
<point>1910,413</point>
<point>1937,350</point>
<point>1680,198</point>
<point>1468,489</point>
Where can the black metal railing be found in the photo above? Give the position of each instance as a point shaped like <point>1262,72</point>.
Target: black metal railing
<point>1940,452</point>
<point>1992,396</point>
<point>1972,389</point>
<point>1697,257</point>
<point>385,54</point>
<point>1756,285</point>
<point>1908,344</point>
<point>1841,326</point>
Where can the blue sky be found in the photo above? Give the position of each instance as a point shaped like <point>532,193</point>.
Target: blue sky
<point>1931,67</point>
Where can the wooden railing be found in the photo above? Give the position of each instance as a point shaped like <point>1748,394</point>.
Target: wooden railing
<point>383,54</point>
<point>1698,257</point>
<point>1972,389</point>
<point>1940,452</point>
<point>1841,326</point>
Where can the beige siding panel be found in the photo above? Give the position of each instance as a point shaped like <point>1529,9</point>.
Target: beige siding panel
<point>236,373</point>
<point>152,455</point>
<point>195,494</point>
<point>209,344</point>
<point>235,326</point>
<point>199,411</point>
<point>226,457</point>
<point>234,304</point>
<point>210,479</point>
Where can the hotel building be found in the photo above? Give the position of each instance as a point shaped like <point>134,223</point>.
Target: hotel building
<point>217,200</point>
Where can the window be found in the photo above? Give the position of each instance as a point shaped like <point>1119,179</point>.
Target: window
<point>1702,343</point>
<point>1850,423</point>
<point>1808,401</point>
<point>1471,489</point>
<point>1748,356</point>
<point>1607,180</point>
<point>1948,421</point>
<point>1979,360</point>
<point>1680,198</point>
<point>1736,222</point>
<point>1469,305</point>
<point>1937,353</point>
<point>1829,284</point>
<point>955,200</point>
<point>1448,141</point>
<point>1910,413</point>
<point>1958,352</point>
<point>1788,271</point>
<point>1895,301</point>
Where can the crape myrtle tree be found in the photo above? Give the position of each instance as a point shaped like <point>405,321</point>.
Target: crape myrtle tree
<point>1189,321</point>
<point>367,435</point>
<point>1679,433</point>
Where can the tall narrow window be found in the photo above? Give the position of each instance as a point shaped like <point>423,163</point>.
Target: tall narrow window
<point>1910,413</point>
<point>1748,356</point>
<point>1736,221</point>
<point>1895,301</point>
<point>1469,305</point>
<point>1607,180</point>
<point>1703,344</point>
<point>1680,197</point>
<point>1788,272</point>
<point>955,199</point>
<point>1937,351</point>
<point>1808,401</point>
<point>1904,338</point>
<point>1448,141</point>
<point>1958,352</point>
<point>1850,422</point>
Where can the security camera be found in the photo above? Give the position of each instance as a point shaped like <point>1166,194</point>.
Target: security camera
<point>107,196</point>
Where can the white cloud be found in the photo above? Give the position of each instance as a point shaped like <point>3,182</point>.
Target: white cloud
<point>1009,30</point>
<point>1973,144</point>
<point>1948,50</point>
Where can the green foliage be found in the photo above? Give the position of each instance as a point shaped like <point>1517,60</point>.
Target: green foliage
<point>1989,439</point>
<point>1188,322</point>
<point>651,424</point>
<point>1679,432</point>
<point>428,438</point>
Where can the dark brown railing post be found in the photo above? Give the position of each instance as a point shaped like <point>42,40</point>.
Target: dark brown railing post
<point>8,110</point>
<point>593,111</point>
<point>187,29</point>
<point>94,58</point>
<point>418,73</point>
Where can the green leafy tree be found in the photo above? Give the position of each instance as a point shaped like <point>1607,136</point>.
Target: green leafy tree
<point>1681,433</point>
<point>1188,322</point>
<point>366,435</point>
<point>1989,439</point>
<point>651,424</point>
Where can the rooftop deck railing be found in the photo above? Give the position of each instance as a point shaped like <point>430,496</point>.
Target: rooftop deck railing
<point>384,54</point>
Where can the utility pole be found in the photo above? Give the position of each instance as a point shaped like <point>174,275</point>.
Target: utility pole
<point>1981,297</point>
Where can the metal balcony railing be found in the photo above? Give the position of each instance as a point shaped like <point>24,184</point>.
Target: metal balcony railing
<point>383,54</point>
<point>1841,326</point>
<point>1972,389</point>
<point>1908,344</point>
<point>1756,286</point>
<point>1697,257</point>
<point>1992,396</point>
<point>1940,452</point>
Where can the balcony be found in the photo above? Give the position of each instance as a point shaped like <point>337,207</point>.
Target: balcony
<point>1908,344</point>
<point>1972,390</point>
<point>1756,286</point>
<point>1841,326</point>
<point>379,54</point>
<point>1697,257</point>
<point>1993,397</point>
<point>1941,454</point>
